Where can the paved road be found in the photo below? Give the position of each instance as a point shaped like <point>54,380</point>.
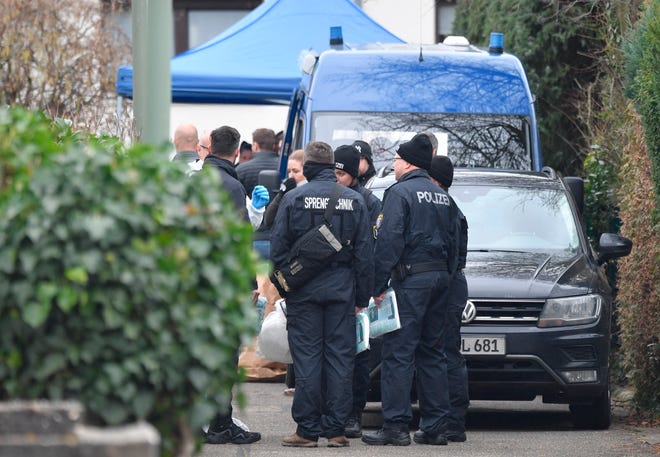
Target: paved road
<point>518,429</point>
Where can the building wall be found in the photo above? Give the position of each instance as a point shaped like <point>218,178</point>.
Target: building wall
<point>414,23</point>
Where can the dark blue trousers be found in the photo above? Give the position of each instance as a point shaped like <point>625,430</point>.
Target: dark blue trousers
<point>360,382</point>
<point>457,376</point>
<point>417,347</point>
<point>322,344</point>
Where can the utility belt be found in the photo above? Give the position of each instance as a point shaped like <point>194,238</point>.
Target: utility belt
<point>402,270</point>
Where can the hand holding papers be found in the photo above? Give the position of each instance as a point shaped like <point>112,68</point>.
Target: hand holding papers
<point>384,318</point>
<point>381,319</point>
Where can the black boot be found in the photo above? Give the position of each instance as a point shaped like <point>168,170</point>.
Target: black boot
<point>353,426</point>
<point>421,437</point>
<point>386,436</point>
<point>231,433</point>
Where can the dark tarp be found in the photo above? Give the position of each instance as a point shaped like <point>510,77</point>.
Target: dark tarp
<point>257,59</point>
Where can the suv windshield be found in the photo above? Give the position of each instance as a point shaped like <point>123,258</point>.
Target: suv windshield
<point>470,140</point>
<point>517,218</point>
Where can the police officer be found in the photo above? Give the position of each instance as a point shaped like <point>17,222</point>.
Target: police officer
<point>412,248</point>
<point>321,314</point>
<point>366,169</point>
<point>347,165</point>
<point>442,174</point>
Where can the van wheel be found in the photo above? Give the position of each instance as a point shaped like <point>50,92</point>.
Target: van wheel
<point>596,415</point>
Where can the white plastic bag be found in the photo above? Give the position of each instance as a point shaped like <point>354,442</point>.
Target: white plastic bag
<point>272,342</point>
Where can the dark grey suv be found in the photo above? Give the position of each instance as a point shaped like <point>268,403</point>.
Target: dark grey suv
<point>538,318</point>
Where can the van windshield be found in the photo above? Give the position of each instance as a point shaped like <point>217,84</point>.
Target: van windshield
<point>470,140</point>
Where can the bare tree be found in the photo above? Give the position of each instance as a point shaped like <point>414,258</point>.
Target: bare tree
<point>61,56</point>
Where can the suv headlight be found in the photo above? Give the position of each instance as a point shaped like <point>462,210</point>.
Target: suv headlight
<point>558,312</point>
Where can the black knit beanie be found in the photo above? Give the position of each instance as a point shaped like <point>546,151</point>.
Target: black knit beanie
<point>364,149</point>
<point>442,170</point>
<point>347,158</point>
<point>417,151</point>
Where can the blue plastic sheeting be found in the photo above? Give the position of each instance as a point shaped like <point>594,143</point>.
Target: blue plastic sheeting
<point>257,59</point>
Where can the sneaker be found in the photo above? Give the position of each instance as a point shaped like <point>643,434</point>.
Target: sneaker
<point>298,441</point>
<point>421,437</point>
<point>456,437</point>
<point>387,436</point>
<point>231,434</point>
<point>338,441</point>
<point>353,427</point>
<point>290,391</point>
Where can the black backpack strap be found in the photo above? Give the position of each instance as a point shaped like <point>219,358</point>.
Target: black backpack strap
<point>332,203</point>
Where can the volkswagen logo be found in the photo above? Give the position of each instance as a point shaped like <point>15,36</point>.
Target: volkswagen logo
<point>469,313</point>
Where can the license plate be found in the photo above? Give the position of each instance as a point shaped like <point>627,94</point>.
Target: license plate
<point>483,345</point>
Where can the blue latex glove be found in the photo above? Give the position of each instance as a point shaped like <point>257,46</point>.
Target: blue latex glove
<point>260,197</point>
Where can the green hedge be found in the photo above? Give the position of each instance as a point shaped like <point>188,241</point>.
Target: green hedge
<point>643,83</point>
<point>640,189</point>
<point>558,43</point>
<point>639,292</point>
<point>123,282</point>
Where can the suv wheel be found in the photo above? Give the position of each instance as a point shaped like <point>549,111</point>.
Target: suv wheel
<point>596,415</point>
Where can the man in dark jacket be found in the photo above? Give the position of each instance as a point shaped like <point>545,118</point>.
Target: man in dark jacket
<point>366,169</point>
<point>264,157</point>
<point>347,163</point>
<point>321,313</point>
<point>412,248</point>
<point>224,148</point>
<point>442,174</point>
<point>264,144</point>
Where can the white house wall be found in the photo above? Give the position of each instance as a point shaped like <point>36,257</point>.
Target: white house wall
<point>410,20</point>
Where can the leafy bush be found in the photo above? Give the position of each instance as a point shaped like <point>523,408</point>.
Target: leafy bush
<point>558,42</point>
<point>639,293</point>
<point>61,56</point>
<point>600,196</point>
<point>640,195</point>
<point>643,83</point>
<point>123,283</point>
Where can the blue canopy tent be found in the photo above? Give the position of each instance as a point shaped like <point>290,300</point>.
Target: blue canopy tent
<point>256,59</point>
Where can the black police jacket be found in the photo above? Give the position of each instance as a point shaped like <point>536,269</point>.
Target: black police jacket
<point>415,226</point>
<point>462,242</point>
<point>374,206</point>
<point>229,181</point>
<point>349,276</point>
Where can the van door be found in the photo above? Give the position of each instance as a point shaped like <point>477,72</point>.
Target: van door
<point>291,122</point>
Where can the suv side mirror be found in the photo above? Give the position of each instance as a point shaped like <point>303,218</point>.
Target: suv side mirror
<point>270,179</point>
<point>612,246</point>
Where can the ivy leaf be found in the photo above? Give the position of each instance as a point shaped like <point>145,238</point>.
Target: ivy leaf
<point>77,275</point>
<point>35,314</point>
<point>50,364</point>
<point>66,299</point>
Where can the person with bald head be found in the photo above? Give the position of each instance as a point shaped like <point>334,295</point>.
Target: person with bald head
<point>185,143</point>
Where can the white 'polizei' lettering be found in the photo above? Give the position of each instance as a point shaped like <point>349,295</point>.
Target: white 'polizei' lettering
<point>343,204</point>
<point>437,198</point>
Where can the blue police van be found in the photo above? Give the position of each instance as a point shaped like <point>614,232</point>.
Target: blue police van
<point>476,101</point>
